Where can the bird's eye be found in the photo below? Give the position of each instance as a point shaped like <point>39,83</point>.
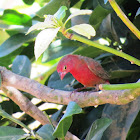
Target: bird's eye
<point>65,67</point>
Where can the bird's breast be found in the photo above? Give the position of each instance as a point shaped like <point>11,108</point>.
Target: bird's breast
<point>85,76</point>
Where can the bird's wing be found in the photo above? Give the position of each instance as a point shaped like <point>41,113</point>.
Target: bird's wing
<point>96,68</point>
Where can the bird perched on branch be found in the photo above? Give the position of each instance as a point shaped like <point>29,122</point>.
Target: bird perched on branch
<point>84,69</point>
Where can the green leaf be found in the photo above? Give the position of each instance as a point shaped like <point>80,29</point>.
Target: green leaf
<point>134,130</point>
<point>115,74</point>
<point>59,48</point>
<point>22,66</point>
<point>43,40</point>
<point>97,16</point>
<point>46,132</point>
<point>66,120</point>
<point>13,43</point>
<point>97,129</point>
<point>89,51</point>
<point>66,84</point>
<point>123,117</point>
<point>52,7</point>
<point>61,13</point>
<point>84,29</point>
<point>8,59</point>
<point>6,115</point>
<point>11,133</point>
<point>29,2</point>
<point>0,80</point>
<point>81,12</point>
<point>12,17</point>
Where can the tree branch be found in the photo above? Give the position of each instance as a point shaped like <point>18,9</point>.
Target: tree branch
<point>29,108</point>
<point>84,99</point>
<point>25,104</point>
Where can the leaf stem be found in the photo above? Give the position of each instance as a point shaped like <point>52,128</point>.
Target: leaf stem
<point>119,86</point>
<point>108,49</point>
<point>124,18</point>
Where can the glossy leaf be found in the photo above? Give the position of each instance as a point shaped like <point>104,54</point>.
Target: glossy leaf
<point>97,129</point>
<point>84,29</point>
<point>97,16</point>
<point>88,51</point>
<point>6,115</point>
<point>66,84</point>
<point>61,13</point>
<point>11,133</point>
<point>122,73</point>
<point>13,43</point>
<point>46,132</point>
<point>59,48</point>
<point>66,120</point>
<point>123,117</point>
<point>12,17</point>
<point>52,7</point>
<point>8,59</point>
<point>43,40</point>
<point>29,2</point>
<point>22,66</point>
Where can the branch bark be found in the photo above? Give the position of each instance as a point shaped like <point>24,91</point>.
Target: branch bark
<point>84,99</point>
<point>29,108</point>
<point>25,104</point>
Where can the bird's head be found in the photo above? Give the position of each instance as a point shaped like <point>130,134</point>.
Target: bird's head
<point>64,66</point>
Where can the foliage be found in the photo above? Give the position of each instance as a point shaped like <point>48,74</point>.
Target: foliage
<point>48,27</point>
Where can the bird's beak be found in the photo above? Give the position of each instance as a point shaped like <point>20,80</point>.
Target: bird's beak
<point>62,74</point>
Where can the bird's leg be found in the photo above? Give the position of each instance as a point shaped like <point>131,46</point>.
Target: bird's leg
<point>97,87</point>
<point>77,90</point>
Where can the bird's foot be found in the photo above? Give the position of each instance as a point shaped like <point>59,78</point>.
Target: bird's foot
<point>77,90</point>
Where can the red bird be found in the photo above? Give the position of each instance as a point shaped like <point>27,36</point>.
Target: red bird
<point>84,69</point>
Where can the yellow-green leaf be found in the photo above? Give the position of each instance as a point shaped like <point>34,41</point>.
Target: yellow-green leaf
<point>84,29</point>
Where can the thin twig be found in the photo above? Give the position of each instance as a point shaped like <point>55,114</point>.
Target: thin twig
<point>124,18</point>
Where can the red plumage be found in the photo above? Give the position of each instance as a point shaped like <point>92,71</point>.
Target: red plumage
<point>84,69</point>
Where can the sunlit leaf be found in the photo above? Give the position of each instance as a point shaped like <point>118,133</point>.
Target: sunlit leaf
<point>12,17</point>
<point>39,26</point>
<point>84,29</point>
<point>61,13</point>
<point>43,40</point>
<point>81,12</point>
